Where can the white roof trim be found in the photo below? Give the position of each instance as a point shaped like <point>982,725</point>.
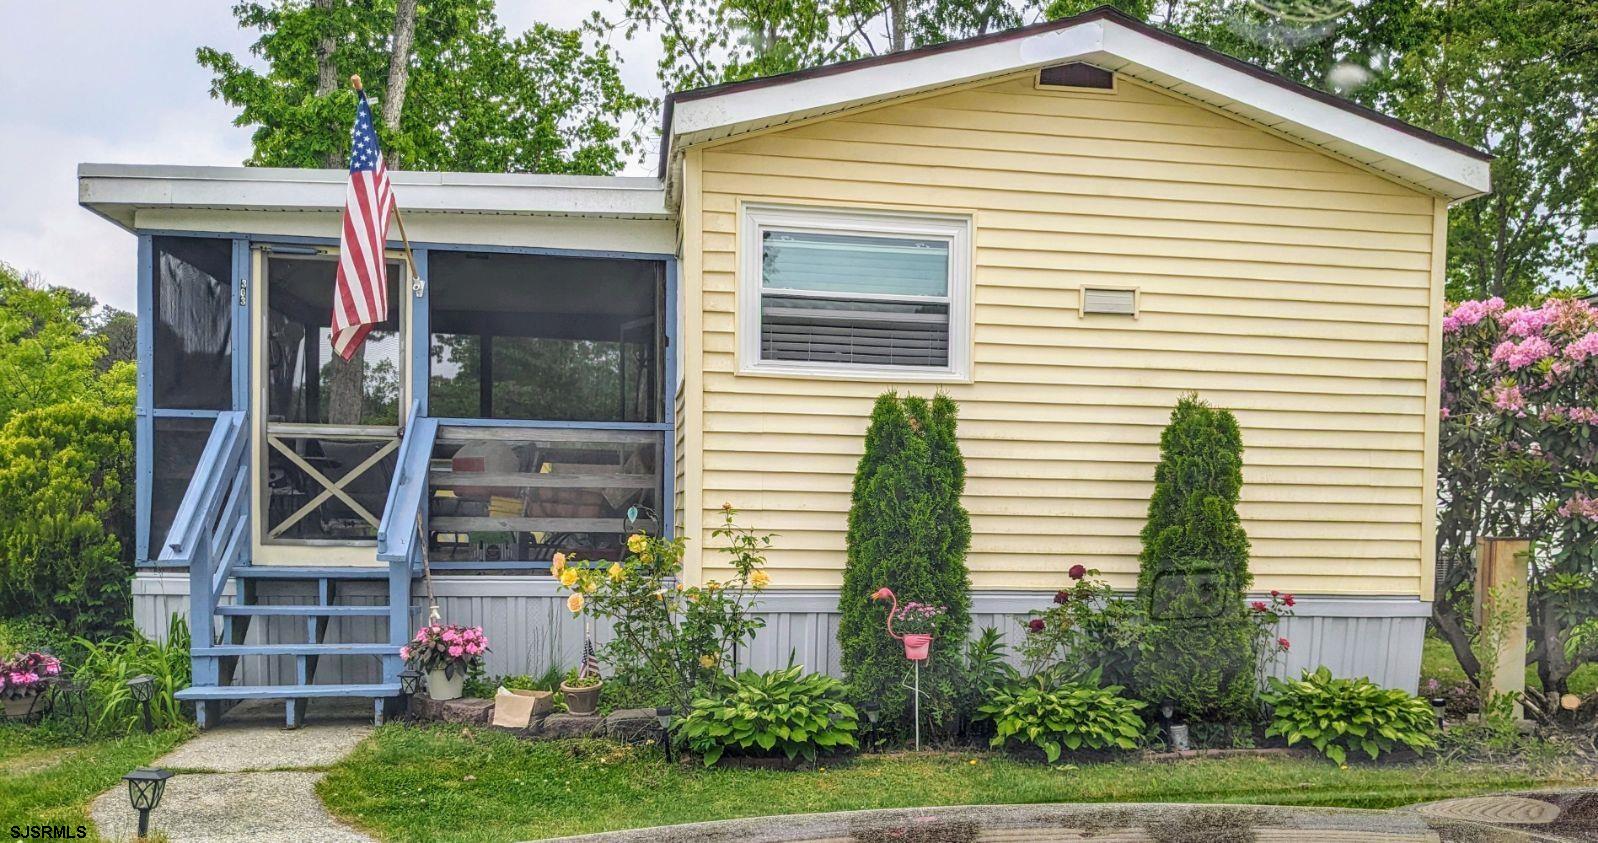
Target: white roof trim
<point>117,191</point>
<point>1424,161</point>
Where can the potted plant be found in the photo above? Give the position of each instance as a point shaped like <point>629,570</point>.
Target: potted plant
<point>24,678</point>
<point>582,691</point>
<point>445,652</point>
<point>916,622</point>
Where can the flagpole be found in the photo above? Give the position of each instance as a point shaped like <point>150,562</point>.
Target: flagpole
<point>405,240</point>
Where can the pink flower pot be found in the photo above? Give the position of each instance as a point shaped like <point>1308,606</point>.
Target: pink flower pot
<point>917,646</point>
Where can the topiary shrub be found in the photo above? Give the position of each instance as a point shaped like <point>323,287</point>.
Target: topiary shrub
<point>1341,715</point>
<point>907,532</point>
<point>1200,651</point>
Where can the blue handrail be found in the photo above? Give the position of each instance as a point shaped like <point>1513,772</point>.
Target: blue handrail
<point>404,524</point>
<point>211,531</point>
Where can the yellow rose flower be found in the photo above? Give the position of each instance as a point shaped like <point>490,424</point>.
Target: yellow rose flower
<point>568,577</point>
<point>679,586</point>
<point>617,572</point>
<point>637,542</point>
<point>760,579</point>
<point>575,602</point>
<point>708,660</point>
<point>712,585</point>
<point>558,564</point>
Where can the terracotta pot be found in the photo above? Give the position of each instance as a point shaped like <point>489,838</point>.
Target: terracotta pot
<point>20,706</point>
<point>442,688</point>
<point>917,646</point>
<point>581,700</point>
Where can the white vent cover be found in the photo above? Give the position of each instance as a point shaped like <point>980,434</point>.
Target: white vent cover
<point>1102,300</point>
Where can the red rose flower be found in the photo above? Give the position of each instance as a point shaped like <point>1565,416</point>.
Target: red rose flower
<point>1282,642</point>
<point>1062,597</point>
<point>1288,599</point>
<point>1258,605</point>
<point>1035,625</point>
<point>1077,572</point>
<point>1275,593</point>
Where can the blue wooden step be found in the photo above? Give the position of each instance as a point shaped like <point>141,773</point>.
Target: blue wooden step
<point>297,650</point>
<point>276,692</point>
<point>285,572</point>
<point>300,611</point>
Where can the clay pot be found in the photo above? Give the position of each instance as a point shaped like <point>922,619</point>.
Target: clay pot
<point>581,700</point>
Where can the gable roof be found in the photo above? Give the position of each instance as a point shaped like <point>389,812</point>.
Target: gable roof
<point>1106,38</point>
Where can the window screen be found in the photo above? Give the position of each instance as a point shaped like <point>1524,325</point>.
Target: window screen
<point>178,445</point>
<point>306,381</point>
<point>854,299</point>
<point>545,338</point>
<point>191,306</point>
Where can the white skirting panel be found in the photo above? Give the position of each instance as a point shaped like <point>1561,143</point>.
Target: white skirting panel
<point>530,629</point>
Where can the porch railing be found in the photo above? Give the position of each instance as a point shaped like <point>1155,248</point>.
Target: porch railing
<point>402,532</point>
<point>211,531</point>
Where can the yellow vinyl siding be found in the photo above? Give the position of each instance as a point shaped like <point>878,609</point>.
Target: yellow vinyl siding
<point>1297,290</point>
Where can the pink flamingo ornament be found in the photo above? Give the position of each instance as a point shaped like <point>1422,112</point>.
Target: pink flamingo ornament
<point>917,646</point>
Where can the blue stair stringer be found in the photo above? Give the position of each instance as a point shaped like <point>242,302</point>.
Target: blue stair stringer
<point>210,534</point>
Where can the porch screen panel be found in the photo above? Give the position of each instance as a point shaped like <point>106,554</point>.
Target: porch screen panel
<point>505,494</point>
<point>308,383</point>
<point>854,299</point>
<point>545,338</point>
<point>179,441</point>
<point>192,313</point>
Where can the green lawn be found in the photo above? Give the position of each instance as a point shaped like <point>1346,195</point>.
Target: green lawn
<point>452,784</point>
<point>49,776</point>
<point>1437,662</point>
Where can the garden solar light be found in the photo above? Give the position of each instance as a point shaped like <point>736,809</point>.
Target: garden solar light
<point>1440,708</point>
<point>410,680</point>
<point>872,710</point>
<point>663,714</point>
<point>145,786</point>
<point>142,688</point>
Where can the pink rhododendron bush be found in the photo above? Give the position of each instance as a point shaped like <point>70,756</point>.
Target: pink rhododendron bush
<point>1519,457</point>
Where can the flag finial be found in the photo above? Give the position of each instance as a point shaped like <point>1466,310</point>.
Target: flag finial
<point>355,81</point>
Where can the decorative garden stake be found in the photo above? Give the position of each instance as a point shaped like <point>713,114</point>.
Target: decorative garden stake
<point>142,688</point>
<point>663,714</point>
<point>145,786</point>
<point>917,647</point>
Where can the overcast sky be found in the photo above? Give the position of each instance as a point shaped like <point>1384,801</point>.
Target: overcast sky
<point>116,81</point>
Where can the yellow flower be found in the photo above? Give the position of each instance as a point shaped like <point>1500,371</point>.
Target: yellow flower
<point>712,585</point>
<point>617,572</point>
<point>575,602</point>
<point>708,660</point>
<point>637,542</point>
<point>760,579</point>
<point>679,586</point>
<point>558,564</point>
<point>661,594</point>
<point>568,576</point>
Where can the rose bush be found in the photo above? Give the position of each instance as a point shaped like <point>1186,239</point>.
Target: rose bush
<point>1519,456</point>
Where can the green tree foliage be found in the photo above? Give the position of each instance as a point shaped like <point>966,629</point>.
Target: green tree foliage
<point>478,98</point>
<point>1200,651</point>
<point>66,460</point>
<point>907,532</point>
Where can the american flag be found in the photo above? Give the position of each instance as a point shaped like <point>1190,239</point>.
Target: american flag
<point>590,666</point>
<point>360,296</point>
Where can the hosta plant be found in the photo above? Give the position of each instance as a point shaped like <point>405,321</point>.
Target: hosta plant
<point>1337,716</point>
<point>1073,716</point>
<point>765,714</point>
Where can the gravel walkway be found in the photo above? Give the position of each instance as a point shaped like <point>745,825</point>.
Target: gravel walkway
<point>249,779</point>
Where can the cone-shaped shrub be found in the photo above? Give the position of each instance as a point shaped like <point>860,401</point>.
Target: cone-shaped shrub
<point>908,532</point>
<point>1200,650</point>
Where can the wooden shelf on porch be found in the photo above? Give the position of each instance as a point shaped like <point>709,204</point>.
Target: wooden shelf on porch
<point>456,479</point>
<point>464,524</point>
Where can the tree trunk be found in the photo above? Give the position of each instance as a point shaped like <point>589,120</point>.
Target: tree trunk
<point>327,69</point>
<point>898,10</point>
<point>399,68</point>
<point>1453,631</point>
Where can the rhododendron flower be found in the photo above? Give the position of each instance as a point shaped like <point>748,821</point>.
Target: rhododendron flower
<point>1526,321</point>
<point>1471,312</point>
<point>1519,356</point>
<point>1583,348</point>
<point>1509,399</point>
<point>1580,506</point>
<point>1077,572</point>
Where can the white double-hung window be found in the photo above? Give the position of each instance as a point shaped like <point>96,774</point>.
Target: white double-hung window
<point>854,294</point>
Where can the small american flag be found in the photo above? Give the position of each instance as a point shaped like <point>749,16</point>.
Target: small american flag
<point>360,296</point>
<point>590,666</point>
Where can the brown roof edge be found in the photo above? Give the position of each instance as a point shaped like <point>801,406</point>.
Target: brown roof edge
<point>1098,13</point>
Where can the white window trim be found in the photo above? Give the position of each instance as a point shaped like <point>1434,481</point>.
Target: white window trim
<point>956,230</point>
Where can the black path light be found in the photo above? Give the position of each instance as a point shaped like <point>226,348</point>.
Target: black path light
<point>145,786</point>
<point>663,714</point>
<point>410,683</point>
<point>873,710</point>
<point>142,687</point>
<point>1440,711</point>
